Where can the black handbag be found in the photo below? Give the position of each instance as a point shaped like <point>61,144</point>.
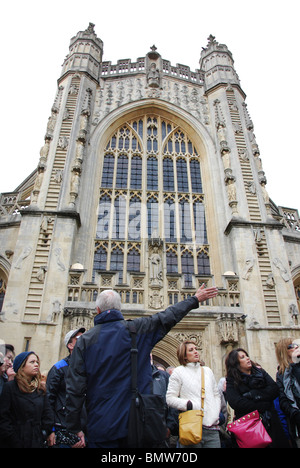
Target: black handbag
<point>147,417</point>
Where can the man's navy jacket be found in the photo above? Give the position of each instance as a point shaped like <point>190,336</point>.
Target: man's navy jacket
<point>100,369</point>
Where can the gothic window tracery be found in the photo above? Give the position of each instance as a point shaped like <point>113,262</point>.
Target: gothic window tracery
<point>172,259</point>
<point>151,187</point>
<point>152,214</point>
<point>152,173</point>
<point>100,258</point>
<point>136,173</point>
<point>108,170</point>
<point>122,171</point>
<point>187,266</point>
<point>133,258</point>
<point>168,175</point>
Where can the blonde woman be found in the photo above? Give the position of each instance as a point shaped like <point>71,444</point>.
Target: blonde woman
<point>25,412</point>
<point>184,393</point>
<point>288,381</point>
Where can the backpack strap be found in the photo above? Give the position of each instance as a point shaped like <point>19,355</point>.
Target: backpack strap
<point>133,353</point>
<point>202,388</point>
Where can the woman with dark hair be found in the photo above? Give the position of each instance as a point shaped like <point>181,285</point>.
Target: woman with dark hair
<point>250,388</point>
<point>288,381</point>
<point>26,417</point>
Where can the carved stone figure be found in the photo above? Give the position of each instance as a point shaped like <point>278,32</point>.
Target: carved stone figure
<point>156,301</point>
<point>228,331</point>
<point>293,310</point>
<point>73,90</point>
<point>75,182</point>
<point>25,253</point>
<point>41,273</point>
<point>243,154</point>
<point>265,193</point>
<point>79,150</point>
<point>155,268</point>
<point>231,190</point>
<point>153,76</point>
<point>44,151</point>
<point>283,271</point>
<point>45,222</point>
<point>270,282</point>
<point>226,159</point>
<point>58,176</point>
<point>37,184</point>
<point>251,187</point>
<point>56,310</point>
<point>63,142</point>
<point>59,261</point>
<point>249,264</point>
<point>51,123</point>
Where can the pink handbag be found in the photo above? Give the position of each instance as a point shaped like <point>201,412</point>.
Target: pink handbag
<point>249,431</point>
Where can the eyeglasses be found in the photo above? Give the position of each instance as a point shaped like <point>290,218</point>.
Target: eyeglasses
<point>292,346</point>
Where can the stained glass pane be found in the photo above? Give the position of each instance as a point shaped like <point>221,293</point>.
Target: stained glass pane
<point>168,175</point>
<point>117,260</point>
<point>182,176</point>
<point>133,260</point>
<point>187,267</point>
<point>152,217</point>
<point>196,176</point>
<point>203,264</point>
<point>103,217</point>
<point>172,262</point>
<point>119,220</point>
<point>100,259</point>
<point>199,223</point>
<point>122,171</point>
<point>136,173</point>
<point>152,173</point>
<point>134,221</point>
<point>170,221</point>
<point>108,170</point>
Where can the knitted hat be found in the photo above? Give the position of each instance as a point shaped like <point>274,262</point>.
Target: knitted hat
<point>18,361</point>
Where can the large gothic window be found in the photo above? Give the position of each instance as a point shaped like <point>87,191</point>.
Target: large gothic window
<point>151,187</point>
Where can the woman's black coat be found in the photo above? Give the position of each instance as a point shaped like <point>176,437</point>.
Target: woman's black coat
<point>257,392</point>
<point>24,417</point>
<point>291,411</point>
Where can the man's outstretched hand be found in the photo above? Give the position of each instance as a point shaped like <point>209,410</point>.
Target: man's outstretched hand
<point>204,293</point>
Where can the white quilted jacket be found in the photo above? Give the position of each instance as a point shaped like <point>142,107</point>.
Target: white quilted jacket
<point>185,385</point>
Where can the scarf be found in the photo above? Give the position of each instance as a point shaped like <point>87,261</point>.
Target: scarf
<point>254,380</point>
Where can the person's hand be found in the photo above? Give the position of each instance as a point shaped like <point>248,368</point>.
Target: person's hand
<point>296,356</point>
<point>81,442</point>
<point>10,373</point>
<point>51,439</point>
<point>204,293</point>
<point>189,405</point>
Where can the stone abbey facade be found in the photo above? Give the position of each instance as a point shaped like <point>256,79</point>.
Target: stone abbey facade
<point>149,181</point>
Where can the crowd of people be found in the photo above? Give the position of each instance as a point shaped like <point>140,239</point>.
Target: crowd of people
<point>84,400</point>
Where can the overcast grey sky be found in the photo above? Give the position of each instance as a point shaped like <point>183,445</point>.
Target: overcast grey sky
<point>263,36</point>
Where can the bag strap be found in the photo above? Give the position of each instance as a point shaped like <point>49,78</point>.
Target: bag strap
<point>202,388</point>
<point>133,355</point>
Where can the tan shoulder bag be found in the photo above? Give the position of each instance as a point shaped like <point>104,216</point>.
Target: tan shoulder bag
<point>190,422</point>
